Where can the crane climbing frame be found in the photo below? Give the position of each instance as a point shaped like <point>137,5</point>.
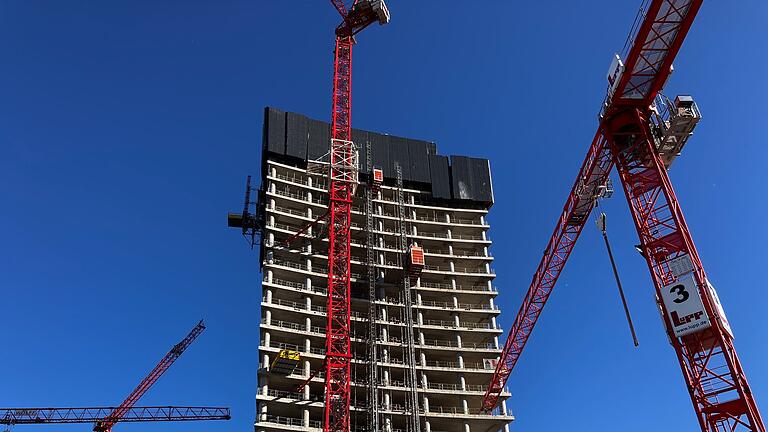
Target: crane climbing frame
<point>712,371</point>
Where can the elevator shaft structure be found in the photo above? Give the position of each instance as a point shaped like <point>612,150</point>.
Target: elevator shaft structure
<point>343,177</point>
<point>642,149</point>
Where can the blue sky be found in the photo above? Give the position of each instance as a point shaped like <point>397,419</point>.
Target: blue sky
<point>127,128</point>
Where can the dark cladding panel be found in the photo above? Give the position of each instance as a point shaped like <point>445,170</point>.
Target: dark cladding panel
<point>274,126</point>
<point>319,142</point>
<point>380,153</point>
<point>461,177</point>
<point>481,180</point>
<point>360,138</point>
<point>398,155</point>
<point>439,176</point>
<point>296,136</point>
<point>419,157</point>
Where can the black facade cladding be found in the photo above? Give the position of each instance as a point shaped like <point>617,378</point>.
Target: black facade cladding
<point>440,176</point>
<point>398,155</point>
<point>418,153</point>
<point>319,137</point>
<point>296,138</point>
<point>461,178</point>
<point>274,131</point>
<point>482,189</point>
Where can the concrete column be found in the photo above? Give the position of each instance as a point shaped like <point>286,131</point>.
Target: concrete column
<point>271,239</point>
<point>423,359</point>
<point>456,321</point>
<point>307,344</point>
<point>460,360</point>
<point>272,203</point>
<point>464,406</point>
<point>305,373</point>
<point>414,230</point>
<point>449,233</point>
<point>420,318</point>
<point>458,340</point>
<point>309,196</point>
<point>305,419</point>
<point>308,302</point>
<point>418,299</point>
<point>384,335</point>
<point>466,426</point>
<point>421,337</point>
<point>424,382</point>
<point>503,407</point>
<point>450,249</point>
<point>309,212</point>
<point>265,386</point>
<point>308,283</point>
<point>427,426</point>
<point>308,324</point>
<point>268,316</point>
<point>271,221</point>
<point>462,382</point>
<point>273,171</point>
<point>388,424</point>
<point>426,404</point>
<point>484,235</point>
<point>455,301</point>
<point>418,282</point>
<point>490,303</point>
<point>268,294</point>
<point>306,394</point>
<point>482,220</point>
<point>485,251</point>
<point>493,322</point>
<point>310,181</point>
<point>267,338</point>
<point>385,354</point>
<point>453,283</point>
<point>385,378</point>
<point>272,187</point>
<point>263,412</point>
<point>386,401</point>
<point>495,342</point>
<point>308,263</point>
<point>265,361</point>
<point>448,218</point>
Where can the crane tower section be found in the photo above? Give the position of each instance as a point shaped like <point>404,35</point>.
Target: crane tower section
<point>642,139</point>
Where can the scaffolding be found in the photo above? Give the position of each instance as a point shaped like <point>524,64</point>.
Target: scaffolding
<point>412,402</point>
<point>373,375</point>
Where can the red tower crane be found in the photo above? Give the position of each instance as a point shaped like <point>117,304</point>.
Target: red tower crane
<point>107,417</point>
<point>634,135</point>
<point>343,181</point>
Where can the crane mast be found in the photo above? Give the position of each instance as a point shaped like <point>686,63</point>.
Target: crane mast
<point>628,137</point>
<point>343,172</point>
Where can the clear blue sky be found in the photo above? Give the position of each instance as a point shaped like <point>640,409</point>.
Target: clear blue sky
<point>127,128</point>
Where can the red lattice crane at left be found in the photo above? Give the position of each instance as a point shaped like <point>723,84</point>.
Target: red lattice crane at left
<point>106,417</point>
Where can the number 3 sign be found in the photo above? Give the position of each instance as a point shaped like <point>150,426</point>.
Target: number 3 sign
<point>684,307</point>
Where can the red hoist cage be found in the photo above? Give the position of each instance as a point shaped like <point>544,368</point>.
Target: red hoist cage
<point>626,138</point>
<point>343,182</point>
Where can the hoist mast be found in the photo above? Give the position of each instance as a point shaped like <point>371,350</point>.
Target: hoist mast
<point>632,137</point>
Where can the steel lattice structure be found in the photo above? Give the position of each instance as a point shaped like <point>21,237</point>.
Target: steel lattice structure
<point>343,182</point>
<point>713,374</point>
<point>15,416</point>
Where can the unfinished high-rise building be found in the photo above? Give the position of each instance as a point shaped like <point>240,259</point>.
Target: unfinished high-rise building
<point>425,338</point>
